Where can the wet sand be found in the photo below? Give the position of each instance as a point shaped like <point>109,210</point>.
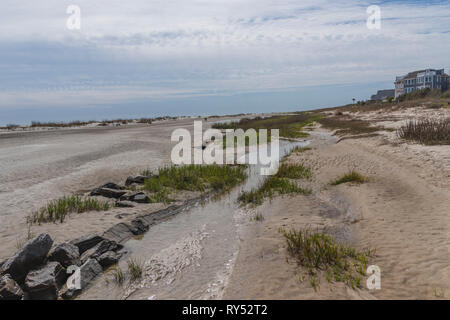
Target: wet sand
<point>36,167</point>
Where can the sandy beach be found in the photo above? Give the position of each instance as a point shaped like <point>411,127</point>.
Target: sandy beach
<point>403,212</point>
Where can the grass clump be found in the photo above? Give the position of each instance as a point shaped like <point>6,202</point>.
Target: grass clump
<point>118,275</point>
<point>290,126</point>
<point>278,184</point>
<point>57,210</point>
<point>294,171</point>
<point>428,131</point>
<point>351,176</point>
<point>196,178</point>
<point>319,252</point>
<point>135,268</point>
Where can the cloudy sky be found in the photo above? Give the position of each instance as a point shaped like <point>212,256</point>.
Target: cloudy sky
<point>180,57</point>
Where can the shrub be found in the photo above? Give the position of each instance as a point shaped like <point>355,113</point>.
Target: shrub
<point>351,176</point>
<point>428,131</point>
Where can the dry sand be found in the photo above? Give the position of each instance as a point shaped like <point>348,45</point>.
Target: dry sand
<point>403,212</point>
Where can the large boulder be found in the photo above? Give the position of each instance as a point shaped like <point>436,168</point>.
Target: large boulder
<point>86,242</point>
<point>31,255</point>
<point>99,249</point>
<point>44,283</point>
<point>9,289</point>
<point>108,258</point>
<point>139,179</point>
<point>108,193</point>
<point>65,253</point>
<point>88,272</point>
<point>138,197</point>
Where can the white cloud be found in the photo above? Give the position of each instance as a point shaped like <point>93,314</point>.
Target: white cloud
<point>154,49</point>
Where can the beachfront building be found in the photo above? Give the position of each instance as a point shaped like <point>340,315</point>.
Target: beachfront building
<point>421,79</point>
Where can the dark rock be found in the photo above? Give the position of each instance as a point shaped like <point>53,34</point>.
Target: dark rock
<point>108,193</point>
<point>139,226</point>
<point>86,242</point>
<point>99,249</point>
<point>108,258</point>
<point>112,185</point>
<point>138,197</point>
<point>44,283</point>
<point>65,253</point>
<point>88,272</point>
<point>136,179</point>
<point>31,255</point>
<point>9,289</point>
<point>125,204</point>
<point>119,232</point>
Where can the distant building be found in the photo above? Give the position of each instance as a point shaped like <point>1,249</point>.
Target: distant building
<point>429,78</point>
<point>383,95</point>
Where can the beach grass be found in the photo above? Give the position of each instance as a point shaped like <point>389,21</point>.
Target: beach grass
<point>278,184</point>
<point>293,171</point>
<point>290,126</point>
<point>135,268</point>
<point>351,176</point>
<point>318,252</point>
<point>57,210</point>
<point>196,178</point>
<point>426,131</point>
<point>118,276</point>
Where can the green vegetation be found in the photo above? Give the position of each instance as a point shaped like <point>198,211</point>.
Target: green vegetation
<point>290,126</point>
<point>118,275</point>
<point>319,252</point>
<point>344,125</point>
<point>278,184</point>
<point>195,178</point>
<point>428,131</point>
<point>351,176</point>
<point>57,210</point>
<point>246,141</point>
<point>293,171</point>
<point>161,196</point>
<point>135,268</point>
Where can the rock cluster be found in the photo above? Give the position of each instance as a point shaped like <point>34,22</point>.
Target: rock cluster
<point>38,269</point>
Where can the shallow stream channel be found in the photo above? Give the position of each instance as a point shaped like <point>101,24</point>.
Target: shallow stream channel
<point>188,256</point>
